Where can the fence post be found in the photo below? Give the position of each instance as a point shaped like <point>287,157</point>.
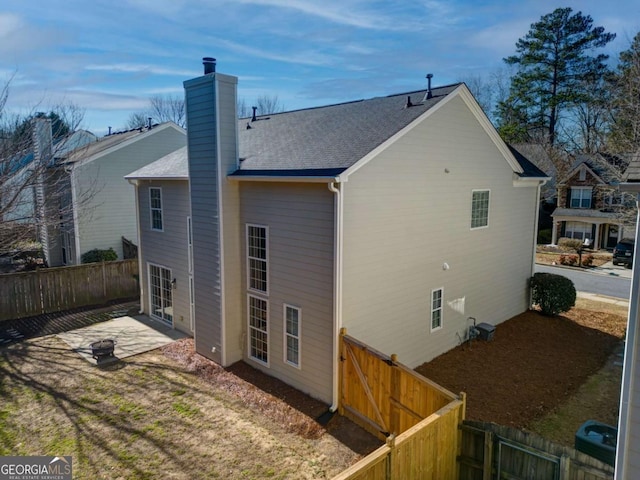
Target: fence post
<point>394,414</point>
<point>104,281</point>
<point>565,467</point>
<point>487,470</point>
<point>342,358</point>
<point>391,457</point>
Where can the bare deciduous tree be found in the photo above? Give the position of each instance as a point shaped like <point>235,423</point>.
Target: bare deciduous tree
<point>162,108</point>
<point>35,197</point>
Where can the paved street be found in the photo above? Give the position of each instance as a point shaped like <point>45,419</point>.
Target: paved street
<point>608,280</point>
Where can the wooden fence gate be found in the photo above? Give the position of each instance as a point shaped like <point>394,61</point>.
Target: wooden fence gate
<point>491,451</point>
<point>418,419</point>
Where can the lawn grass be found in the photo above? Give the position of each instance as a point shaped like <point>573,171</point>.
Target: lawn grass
<point>145,418</point>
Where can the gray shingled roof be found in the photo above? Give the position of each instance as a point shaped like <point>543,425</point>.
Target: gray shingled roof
<point>331,137</point>
<point>173,166</point>
<point>321,141</point>
<point>582,212</point>
<point>632,174</point>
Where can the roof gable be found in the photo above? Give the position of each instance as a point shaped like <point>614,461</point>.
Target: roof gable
<point>114,142</point>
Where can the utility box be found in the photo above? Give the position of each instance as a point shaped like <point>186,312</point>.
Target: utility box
<point>486,331</point>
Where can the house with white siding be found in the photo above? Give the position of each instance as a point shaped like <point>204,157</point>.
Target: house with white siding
<point>397,217</point>
<point>98,203</point>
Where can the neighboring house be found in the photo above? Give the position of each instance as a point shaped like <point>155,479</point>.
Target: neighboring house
<point>21,176</point>
<point>590,205</point>
<point>397,217</point>
<point>628,442</point>
<point>98,202</point>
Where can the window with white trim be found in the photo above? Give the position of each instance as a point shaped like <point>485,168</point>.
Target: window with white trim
<point>436,308</point>
<point>257,263</point>
<point>578,230</point>
<point>155,207</point>
<point>160,293</point>
<point>258,329</point>
<point>480,208</point>
<point>292,319</point>
<point>580,197</point>
<point>190,244</point>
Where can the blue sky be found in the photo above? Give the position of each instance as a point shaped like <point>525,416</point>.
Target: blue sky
<point>110,57</point>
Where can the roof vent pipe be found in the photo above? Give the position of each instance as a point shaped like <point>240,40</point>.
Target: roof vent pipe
<point>109,131</point>
<point>429,93</point>
<point>408,104</point>
<point>253,118</point>
<point>149,123</point>
<point>209,65</point>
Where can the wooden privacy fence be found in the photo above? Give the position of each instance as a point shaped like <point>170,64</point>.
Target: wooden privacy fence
<point>491,451</point>
<point>54,289</point>
<point>418,419</point>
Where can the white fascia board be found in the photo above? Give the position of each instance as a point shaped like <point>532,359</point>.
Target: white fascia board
<point>128,142</point>
<point>577,168</point>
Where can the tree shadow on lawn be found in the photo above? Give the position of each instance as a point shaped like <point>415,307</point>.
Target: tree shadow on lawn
<point>74,408</point>
<point>533,364</point>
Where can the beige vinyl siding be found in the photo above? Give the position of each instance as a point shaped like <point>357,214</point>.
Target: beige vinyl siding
<point>407,213</point>
<point>300,222</point>
<point>168,248</point>
<point>105,200</point>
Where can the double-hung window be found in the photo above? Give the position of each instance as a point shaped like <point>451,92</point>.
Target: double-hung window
<point>581,197</point>
<point>258,329</point>
<point>436,308</point>
<point>257,262</point>
<point>479,208</point>
<point>155,206</point>
<point>292,319</point>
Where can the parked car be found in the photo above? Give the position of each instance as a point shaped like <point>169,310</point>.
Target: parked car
<point>623,253</point>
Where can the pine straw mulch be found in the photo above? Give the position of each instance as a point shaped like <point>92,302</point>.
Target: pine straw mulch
<point>286,409</point>
<point>296,412</point>
<point>533,364</point>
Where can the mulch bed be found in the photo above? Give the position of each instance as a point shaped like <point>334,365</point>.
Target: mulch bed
<point>533,364</point>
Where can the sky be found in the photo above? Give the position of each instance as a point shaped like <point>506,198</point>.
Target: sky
<point>109,58</point>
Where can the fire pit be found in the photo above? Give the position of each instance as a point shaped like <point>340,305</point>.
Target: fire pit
<point>102,348</point>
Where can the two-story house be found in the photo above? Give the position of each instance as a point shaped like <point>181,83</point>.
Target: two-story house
<point>590,205</point>
<point>98,204</point>
<point>396,217</point>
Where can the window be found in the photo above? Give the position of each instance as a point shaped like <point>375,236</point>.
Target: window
<point>436,309</point>
<point>190,245</point>
<point>480,208</point>
<point>577,230</point>
<point>258,330</point>
<point>581,197</point>
<point>192,303</point>
<point>155,205</point>
<point>160,296</point>
<point>257,258</point>
<point>292,318</point>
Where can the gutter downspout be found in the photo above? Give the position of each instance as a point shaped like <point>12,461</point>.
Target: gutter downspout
<point>337,188</point>
<point>136,184</point>
<point>535,235</point>
<point>76,217</point>
<point>630,359</point>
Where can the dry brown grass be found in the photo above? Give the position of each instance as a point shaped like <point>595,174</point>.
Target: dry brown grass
<point>150,416</point>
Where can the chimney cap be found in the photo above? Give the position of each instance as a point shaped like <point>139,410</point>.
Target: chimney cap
<point>209,65</point>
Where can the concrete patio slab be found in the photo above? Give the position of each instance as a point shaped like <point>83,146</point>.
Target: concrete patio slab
<point>133,335</point>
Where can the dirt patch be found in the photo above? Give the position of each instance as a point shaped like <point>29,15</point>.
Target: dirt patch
<point>548,255</point>
<point>533,365</point>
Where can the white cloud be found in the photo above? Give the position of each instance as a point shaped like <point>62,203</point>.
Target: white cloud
<point>139,68</point>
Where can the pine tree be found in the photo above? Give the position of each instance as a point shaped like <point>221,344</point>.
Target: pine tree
<point>553,60</point>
